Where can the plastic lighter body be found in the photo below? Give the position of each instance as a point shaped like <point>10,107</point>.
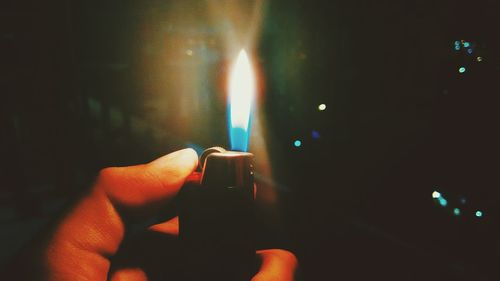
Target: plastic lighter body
<point>216,218</point>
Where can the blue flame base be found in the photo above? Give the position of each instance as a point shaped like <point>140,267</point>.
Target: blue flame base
<point>238,139</point>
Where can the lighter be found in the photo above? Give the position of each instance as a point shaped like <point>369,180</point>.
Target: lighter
<point>216,214</point>
<point>216,218</point>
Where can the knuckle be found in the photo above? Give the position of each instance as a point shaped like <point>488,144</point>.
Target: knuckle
<point>288,256</point>
<point>107,176</point>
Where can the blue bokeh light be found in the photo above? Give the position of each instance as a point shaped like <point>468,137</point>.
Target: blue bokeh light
<point>443,202</point>
<point>297,143</point>
<point>466,44</point>
<point>315,135</point>
<point>479,214</point>
<point>461,69</point>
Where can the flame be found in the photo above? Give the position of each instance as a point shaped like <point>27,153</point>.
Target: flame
<point>241,98</point>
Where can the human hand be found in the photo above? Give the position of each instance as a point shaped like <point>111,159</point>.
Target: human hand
<point>88,237</point>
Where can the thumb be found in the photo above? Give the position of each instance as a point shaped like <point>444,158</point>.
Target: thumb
<point>143,185</point>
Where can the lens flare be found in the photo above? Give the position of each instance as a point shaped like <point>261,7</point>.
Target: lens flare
<point>241,98</point>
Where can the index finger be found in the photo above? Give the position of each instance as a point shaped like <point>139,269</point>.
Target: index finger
<point>92,231</point>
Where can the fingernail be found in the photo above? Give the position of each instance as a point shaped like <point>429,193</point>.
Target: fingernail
<point>187,155</point>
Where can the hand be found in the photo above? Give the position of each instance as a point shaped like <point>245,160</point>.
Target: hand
<point>91,233</point>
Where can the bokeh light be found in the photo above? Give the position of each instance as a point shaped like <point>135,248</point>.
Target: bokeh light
<point>322,107</point>
<point>436,194</point>
<point>297,143</point>
<point>461,69</point>
<point>466,44</point>
<point>315,135</point>
<point>479,59</point>
<point>443,202</point>
<point>456,212</point>
<point>479,214</point>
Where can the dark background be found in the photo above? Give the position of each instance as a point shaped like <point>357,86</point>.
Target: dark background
<point>90,84</point>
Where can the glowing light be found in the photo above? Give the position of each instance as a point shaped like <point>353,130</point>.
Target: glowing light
<point>479,59</point>
<point>315,135</point>
<point>461,69</point>
<point>189,52</point>
<point>466,44</point>
<point>436,194</point>
<point>322,107</point>
<point>456,212</point>
<point>297,143</point>
<point>457,43</point>
<point>241,98</point>
<point>457,48</point>
<point>443,202</point>
<point>479,214</point>
<point>469,51</point>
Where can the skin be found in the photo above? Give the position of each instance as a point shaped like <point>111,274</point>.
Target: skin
<point>91,233</point>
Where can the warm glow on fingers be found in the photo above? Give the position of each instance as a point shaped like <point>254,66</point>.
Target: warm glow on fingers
<point>276,264</point>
